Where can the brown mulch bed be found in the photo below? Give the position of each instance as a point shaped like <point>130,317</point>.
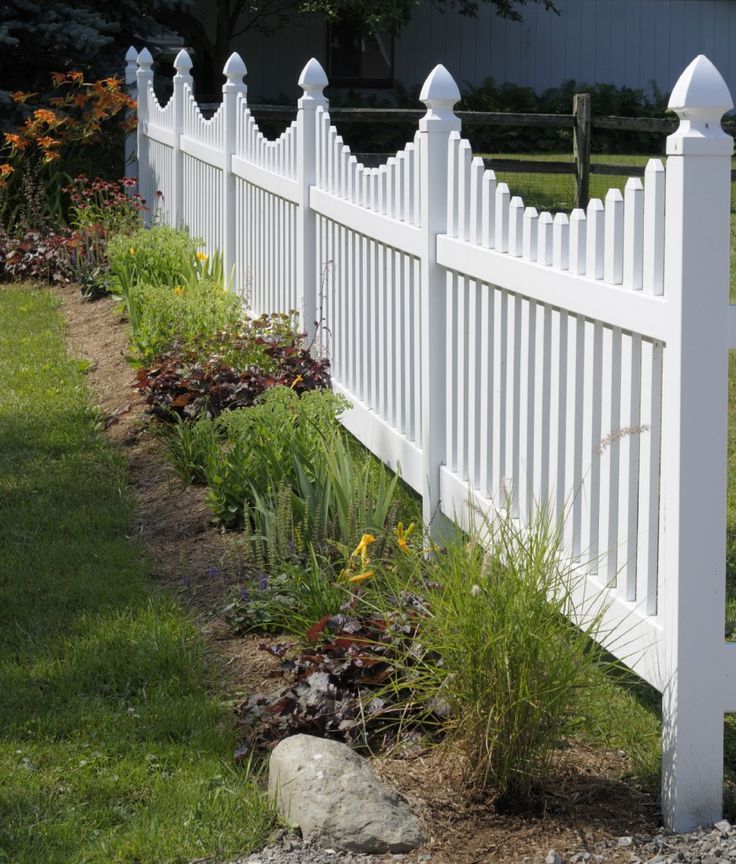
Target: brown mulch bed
<point>588,806</point>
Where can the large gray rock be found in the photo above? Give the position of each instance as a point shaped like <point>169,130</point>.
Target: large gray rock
<point>335,797</point>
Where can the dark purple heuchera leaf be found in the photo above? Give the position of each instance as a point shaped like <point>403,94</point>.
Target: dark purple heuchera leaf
<point>339,689</point>
<point>183,383</point>
<point>38,256</point>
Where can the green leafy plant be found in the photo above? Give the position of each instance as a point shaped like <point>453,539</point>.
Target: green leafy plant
<point>289,600</point>
<point>162,317</point>
<point>260,448</point>
<point>160,256</point>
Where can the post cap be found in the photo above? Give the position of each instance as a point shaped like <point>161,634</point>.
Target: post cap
<point>183,63</point>
<point>439,93</point>
<point>131,55</point>
<point>700,98</point>
<point>701,85</point>
<point>235,68</point>
<point>313,78</point>
<point>145,60</point>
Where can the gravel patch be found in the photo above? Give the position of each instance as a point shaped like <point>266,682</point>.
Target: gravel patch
<point>716,845</point>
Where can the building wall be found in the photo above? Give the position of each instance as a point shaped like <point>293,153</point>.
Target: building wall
<point>624,42</point>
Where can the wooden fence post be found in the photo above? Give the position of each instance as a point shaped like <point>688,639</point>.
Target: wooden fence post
<point>183,66</point>
<point>694,467</point>
<point>234,72</point>
<point>581,148</point>
<point>439,94</point>
<point>130,168</point>
<point>144,78</point>
<point>313,81</point>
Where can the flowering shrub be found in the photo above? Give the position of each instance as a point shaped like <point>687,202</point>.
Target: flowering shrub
<point>53,141</point>
<point>99,209</point>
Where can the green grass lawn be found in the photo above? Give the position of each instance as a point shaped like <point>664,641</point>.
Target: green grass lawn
<point>113,745</point>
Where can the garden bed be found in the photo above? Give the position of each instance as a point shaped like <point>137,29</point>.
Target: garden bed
<point>588,804</point>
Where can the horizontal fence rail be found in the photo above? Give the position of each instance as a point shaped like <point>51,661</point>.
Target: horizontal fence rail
<point>506,359</point>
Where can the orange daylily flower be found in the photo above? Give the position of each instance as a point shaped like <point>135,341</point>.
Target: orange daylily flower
<point>46,116</point>
<point>6,170</point>
<point>15,141</point>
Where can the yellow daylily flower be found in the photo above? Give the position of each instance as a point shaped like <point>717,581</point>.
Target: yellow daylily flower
<point>202,256</point>
<point>132,250</point>
<point>298,380</point>
<point>361,577</point>
<point>178,290</point>
<point>362,547</point>
<point>402,535</point>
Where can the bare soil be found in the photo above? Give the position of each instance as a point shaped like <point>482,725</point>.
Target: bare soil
<point>588,806</point>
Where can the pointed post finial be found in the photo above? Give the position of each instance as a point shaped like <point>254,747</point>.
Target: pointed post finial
<point>131,66</point>
<point>234,72</point>
<point>439,94</point>
<point>183,65</point>
<point>145,60</point>
<point>313,81</point>
<point>700,99</point>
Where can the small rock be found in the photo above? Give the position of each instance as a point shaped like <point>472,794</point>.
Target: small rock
<point>624,842</point>
<point>724,825</point>
<point>553,857</point>
<point>335,797</point>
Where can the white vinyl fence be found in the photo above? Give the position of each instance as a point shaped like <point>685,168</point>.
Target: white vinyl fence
<point>503,358</point>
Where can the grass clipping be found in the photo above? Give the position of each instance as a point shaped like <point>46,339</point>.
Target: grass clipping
<point>501,655</point>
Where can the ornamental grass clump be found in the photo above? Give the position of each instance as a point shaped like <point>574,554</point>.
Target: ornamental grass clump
<point>499,654</point>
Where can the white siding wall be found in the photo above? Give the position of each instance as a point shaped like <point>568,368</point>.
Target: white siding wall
<point>624,42</point>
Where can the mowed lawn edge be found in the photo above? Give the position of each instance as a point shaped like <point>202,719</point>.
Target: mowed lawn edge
<point>114,745</point>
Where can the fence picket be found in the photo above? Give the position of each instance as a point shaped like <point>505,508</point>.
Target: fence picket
<point>502,218</point>
<point>578,239</point>
<point>544,239</point>
<point>516,226</point>
<point>614,231</point>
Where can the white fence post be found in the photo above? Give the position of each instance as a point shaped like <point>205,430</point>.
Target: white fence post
<point>313,80</point>
<point>144,78</point>
<point>694,466</point>
<point>183,66</point>
<point>131,69</point>
<point>234,72</point>
<point>439,94</point>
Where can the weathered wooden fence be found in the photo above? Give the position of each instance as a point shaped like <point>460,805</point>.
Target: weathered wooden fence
<point>501,357</point>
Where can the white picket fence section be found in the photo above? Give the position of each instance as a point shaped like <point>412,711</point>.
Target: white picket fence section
<point>501,358</point>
